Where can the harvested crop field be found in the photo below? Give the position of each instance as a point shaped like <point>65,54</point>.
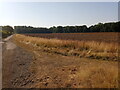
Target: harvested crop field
<point>54,43</point>
<point>61,63</point>
<point>102,37</point>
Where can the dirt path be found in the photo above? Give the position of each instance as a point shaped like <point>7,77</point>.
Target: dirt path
<point>15,64</point>
<point>25,68</point>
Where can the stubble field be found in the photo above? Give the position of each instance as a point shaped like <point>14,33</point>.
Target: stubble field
<point>93,58</point>
<point>90,45</point>
<point>101,37</point>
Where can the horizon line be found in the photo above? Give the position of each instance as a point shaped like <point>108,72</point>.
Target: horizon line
<point>61,25</point>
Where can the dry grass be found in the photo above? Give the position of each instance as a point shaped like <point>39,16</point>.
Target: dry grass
<point>70,71</point>
<point>74,72</point>
<point>90,49</point>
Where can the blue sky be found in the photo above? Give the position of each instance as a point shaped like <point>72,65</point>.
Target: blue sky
<point>47,14</point>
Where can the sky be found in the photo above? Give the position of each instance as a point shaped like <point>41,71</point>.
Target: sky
<point>47,14</point>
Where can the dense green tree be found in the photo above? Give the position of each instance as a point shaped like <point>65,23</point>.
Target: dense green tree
<point>100,27</point>
<point>6,31</point>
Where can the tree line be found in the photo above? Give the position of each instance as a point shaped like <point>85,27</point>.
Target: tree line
<point>29,29</point>
<point>100,27</point>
